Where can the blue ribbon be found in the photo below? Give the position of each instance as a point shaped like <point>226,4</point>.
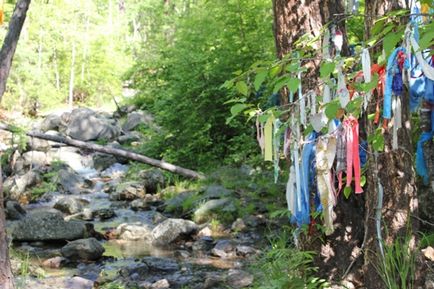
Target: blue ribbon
<point>421,168</point>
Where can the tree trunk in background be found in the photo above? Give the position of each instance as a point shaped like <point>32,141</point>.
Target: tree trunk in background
<point>340,256</point>
<point>11,40</point>
<point>394,170</point>
<point>71,78</point>
<point>6,277</point>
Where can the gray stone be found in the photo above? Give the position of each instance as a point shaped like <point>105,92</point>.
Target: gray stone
<point>157,264</point>
<point>84,124</point>
<point>38,144</point>
<point>14,211</point>
<point>128,191</point>
<point>203,245</point>
<point>47,226</point>
<point>238,225</point>
<point>206,210</point>
<point>130,137</point>
<point>136,118</point>
<point>68,205</point>
<point>135,232</point>
<point>239,279</point>
<point>103,213</point>
<point>140,205</point>
<point>223,249</point>
<point>103,161</point>
<point>153,180</point>
<point>161,284</point>
<point>84,249</point>
<point>245,251</point>
<point>36,159</point>
<point>14,187</point>
<point>175,203</point>
<point>50,122</point>
<point>172,229</point>
<point>69,181</point>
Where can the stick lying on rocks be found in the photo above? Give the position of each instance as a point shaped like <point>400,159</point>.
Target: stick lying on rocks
<point>113,151</point>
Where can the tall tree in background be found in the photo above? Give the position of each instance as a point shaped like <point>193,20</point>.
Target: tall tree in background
<point>6,55</point>
<point>353,250</point>
<point>10,43</point>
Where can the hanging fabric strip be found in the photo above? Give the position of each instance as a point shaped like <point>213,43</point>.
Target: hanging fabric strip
<point>312,102</point>
<point>276,150</point>
<point>296,162</point>
<point>291,190</point>
<point>268,136</point>
<point>326,94</point>
<point>366,67</point>
<point>351,126</point>
<point>287,143</point>
<point>325,155</point>
<point>391,70</point>
<point>427,69</point>
<point>342,92</point>
<point>341,154</point>
<point>260,135</point>
<point>302,102</point>
<point>421,167</point>
<point>397,121</point>
<point>326,44</point>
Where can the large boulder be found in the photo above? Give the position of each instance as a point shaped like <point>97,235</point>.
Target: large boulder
<point>84,249</point>
<point>103,161</point>
<point>50,122</point>
<point>135,232</point>
<point>36,158</point>
<point>14,211</point>
<point>85,124</point>
<point>137,118</point>
<point>69,205</point>
<point>16,186</point>
<point>69,181</point>
<point>172,229</point>
<point>128,191</point>
<point>153,179</point>
<point>47,226</point>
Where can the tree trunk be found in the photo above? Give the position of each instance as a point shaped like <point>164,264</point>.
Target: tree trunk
<point>11,40</point>
<point>6,277</point>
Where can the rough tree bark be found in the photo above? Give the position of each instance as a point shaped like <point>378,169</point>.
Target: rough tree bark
<point>11,40</point>
<point>350,252</point>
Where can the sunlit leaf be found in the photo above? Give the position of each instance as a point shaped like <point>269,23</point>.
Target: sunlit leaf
<point>260,78</point>
<point>347,192</point>
<point>326,69</point>
<point>293,84</point>
<point>242,88</point>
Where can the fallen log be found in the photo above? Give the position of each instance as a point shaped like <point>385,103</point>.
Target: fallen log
<point>112,151</point>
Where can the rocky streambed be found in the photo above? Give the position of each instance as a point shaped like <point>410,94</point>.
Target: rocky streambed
<point>83,220</point>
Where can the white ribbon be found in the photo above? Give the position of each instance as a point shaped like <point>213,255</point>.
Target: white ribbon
<point>302,102</point>
<point>427,69</point>
<point>397,120</point>
<point>366,67</point>
<point>342,91</point>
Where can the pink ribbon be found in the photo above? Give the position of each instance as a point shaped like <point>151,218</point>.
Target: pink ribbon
<point>351,126</point>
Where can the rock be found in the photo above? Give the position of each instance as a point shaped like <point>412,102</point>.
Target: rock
<point>205,232</point>
<point>245,251</point>
<point>85,125</point>
<point>69,181</point>
<point>153,180</point>
<point>135,232</point>
<point>128,191</point>
<point>238,225</point>
<point>68,205</point>
<point>50,122</point>
<point>161,284</point>
<point>239,279</point>
<point>206,211</point>
<point>36,144</point>
<point>54,263</point>
<point>78,283</point>
<point>157,264</point>
<point>103,213</point>
<point>84,249</point>
<point>130,137</point>
<point>46,226</point>
<point>428,252</point>
<point>140,205</point>
<point>223,249</point>
<point>216,192</point>
<point>16,186</point>
<point>72,157</point>
<point>212,280</point>
<point>103,161</point>
<point>136,118</point>
<point>36,159</point>
<point>14,211</point>
<point>203,244</point>
<point>172,229</point>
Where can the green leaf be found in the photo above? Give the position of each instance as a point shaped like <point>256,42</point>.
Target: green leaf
<point>275,70</point>
<point>278,86</point>
<point>354,105</point>
<point>331,109</point>
<point>260,78</point>
<point>378,26</point>
<point>293,84</point>
<point>426,39</point>
<point>377,140</point>
<point>390,41</point>
<point>242,88</point>
<point>308,130</point>
<point>363,181</point>
<point>347,192</point>
<point>293,67</point>
<point>237,108</point>
<point>326,69</point>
